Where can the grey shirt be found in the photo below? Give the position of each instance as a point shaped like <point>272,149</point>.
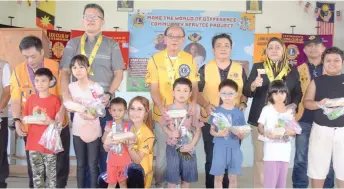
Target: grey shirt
<point>108,59</point>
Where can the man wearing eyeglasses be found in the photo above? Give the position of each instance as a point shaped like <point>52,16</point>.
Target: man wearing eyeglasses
<point>211,74</point>
<point>163,69</point>
<point>105,58</point>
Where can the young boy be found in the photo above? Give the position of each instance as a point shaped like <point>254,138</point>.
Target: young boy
<point>227,153</point>
<point>117,162</point>
<point>42,103</point>
<point>179,168</point>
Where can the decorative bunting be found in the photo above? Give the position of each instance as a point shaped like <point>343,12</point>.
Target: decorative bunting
<point>326,18</point>
<point>307,7</point>
<point>45,15</point>
<point>339,16</point>
<point>316,12</point>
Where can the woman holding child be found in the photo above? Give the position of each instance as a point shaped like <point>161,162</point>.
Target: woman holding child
<point>275,67</point>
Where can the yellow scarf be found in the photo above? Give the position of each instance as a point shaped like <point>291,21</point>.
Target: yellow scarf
<point>282,67</point>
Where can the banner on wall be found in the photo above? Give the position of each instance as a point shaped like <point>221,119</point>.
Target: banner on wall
<point>122,38</point>
<point>294,45</point>
<point>58,41</point>
<point>147,37</point>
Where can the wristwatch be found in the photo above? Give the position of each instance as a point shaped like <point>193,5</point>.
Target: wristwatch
<point>108,93</point>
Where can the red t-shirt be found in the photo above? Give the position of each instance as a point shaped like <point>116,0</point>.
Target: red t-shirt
<point>124,158</point>
<point>36,105</point>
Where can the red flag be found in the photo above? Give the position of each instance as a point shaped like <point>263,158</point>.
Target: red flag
<point>307,7</point>
<point>339,15</point>
<point>316,12</point>
<point>325,28</point>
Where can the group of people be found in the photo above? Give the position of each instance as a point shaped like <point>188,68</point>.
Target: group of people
<point>95,64</point>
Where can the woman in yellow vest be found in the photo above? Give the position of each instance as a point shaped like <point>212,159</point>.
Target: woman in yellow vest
<point>211,75</point>
<point>275,67</point>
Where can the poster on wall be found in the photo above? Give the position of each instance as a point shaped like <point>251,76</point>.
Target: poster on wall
<point>122,38</point>
<point>58,41</point>
<point>147,37</point>
<point>293,42</point>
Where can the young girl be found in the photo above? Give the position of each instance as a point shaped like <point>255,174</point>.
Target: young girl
<point>141,150</point>
<point>277,145</point>
<point>86,127</point>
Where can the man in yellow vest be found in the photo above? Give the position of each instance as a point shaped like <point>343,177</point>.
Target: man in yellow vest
<point>211,75</point>
<point>22,86</point>
<point>5,75</point>
<point>163,69</point>
<point>312,68</point>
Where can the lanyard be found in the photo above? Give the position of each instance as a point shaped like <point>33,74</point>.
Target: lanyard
<point>94,50</point>
<point>32,75</point>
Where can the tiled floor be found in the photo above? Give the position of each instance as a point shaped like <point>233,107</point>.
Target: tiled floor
<point>245,181</point>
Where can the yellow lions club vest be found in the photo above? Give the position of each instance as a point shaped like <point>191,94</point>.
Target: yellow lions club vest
<point>212,81</point>
<point>305,80</point>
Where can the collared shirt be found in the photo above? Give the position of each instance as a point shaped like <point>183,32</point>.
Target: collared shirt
<point>108,58</point>
<point>314,71</point>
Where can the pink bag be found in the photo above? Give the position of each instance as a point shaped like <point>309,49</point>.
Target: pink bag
<point>90,132</point>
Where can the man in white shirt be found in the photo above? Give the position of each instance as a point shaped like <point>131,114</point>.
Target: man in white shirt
<point>5,75</point>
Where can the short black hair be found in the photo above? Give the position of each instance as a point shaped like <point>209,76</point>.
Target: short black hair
<point>44,72</point>
<point>277,86</point>
<point>332,50</point>
<point>29,42</point>
<point>118,100</point>
<point>82,60</point>
<point>229,83</point>
<point>219,36</point>
<point>174,25</point>
<point>94,6</point>
<point>182,81</point>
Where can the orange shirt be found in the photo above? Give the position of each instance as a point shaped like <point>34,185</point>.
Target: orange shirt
<point>49,106</point>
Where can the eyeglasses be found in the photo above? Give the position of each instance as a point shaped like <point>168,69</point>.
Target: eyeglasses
<point>230,94</point>
<point>91,17</point>
<point>174,37</point>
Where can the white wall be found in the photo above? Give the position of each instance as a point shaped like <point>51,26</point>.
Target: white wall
<point>277,14</point>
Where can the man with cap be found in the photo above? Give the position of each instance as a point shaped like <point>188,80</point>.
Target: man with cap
<point>312,68</point>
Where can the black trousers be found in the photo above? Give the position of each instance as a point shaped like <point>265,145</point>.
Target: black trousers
<point>62,161</point>
<point>87,155</point>
<point>4,166</point>
<point>208,148</point>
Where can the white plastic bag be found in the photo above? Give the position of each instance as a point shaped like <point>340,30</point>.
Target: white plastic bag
<point>51,139</point>
<point>35,119</point>
<point>222,122</point>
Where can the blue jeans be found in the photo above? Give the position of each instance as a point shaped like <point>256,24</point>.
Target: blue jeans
<point>299,177</point>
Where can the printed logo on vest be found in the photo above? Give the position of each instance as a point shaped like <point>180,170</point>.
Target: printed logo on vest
<point>54,82</point>
<point>184,70</point>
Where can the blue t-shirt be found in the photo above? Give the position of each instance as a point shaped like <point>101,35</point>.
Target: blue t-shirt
<point>238,119</point>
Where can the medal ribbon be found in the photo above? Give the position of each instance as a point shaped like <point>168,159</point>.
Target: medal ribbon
<point>94,50</point>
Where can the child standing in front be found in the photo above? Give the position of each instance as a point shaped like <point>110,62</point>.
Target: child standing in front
<point>277,150</point>
<point>226,152</point>
<point>43,161</point>
<point>86,127</point>
<point>117,162</point>
<point>141,150</point>
<point>179,168</point>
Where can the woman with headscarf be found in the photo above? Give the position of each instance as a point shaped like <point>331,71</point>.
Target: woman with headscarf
<point>275,67</point>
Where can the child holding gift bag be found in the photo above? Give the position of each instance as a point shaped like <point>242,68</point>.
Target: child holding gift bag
<point>43,161</point>
<point>276,132</point>
<point>86,126</point>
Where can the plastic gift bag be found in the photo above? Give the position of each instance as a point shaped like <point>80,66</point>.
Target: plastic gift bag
<point>244,130</point>
<point>222,122</point>
<point>333,113</point>
<point>335,102</point>
<point>96,108</point>
<point>35,119</point>
<point>51,139</point>
<point>75,107</point>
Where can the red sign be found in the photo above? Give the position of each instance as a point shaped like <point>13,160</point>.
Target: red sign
<point>58,41</point>
<point>122,38</point>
